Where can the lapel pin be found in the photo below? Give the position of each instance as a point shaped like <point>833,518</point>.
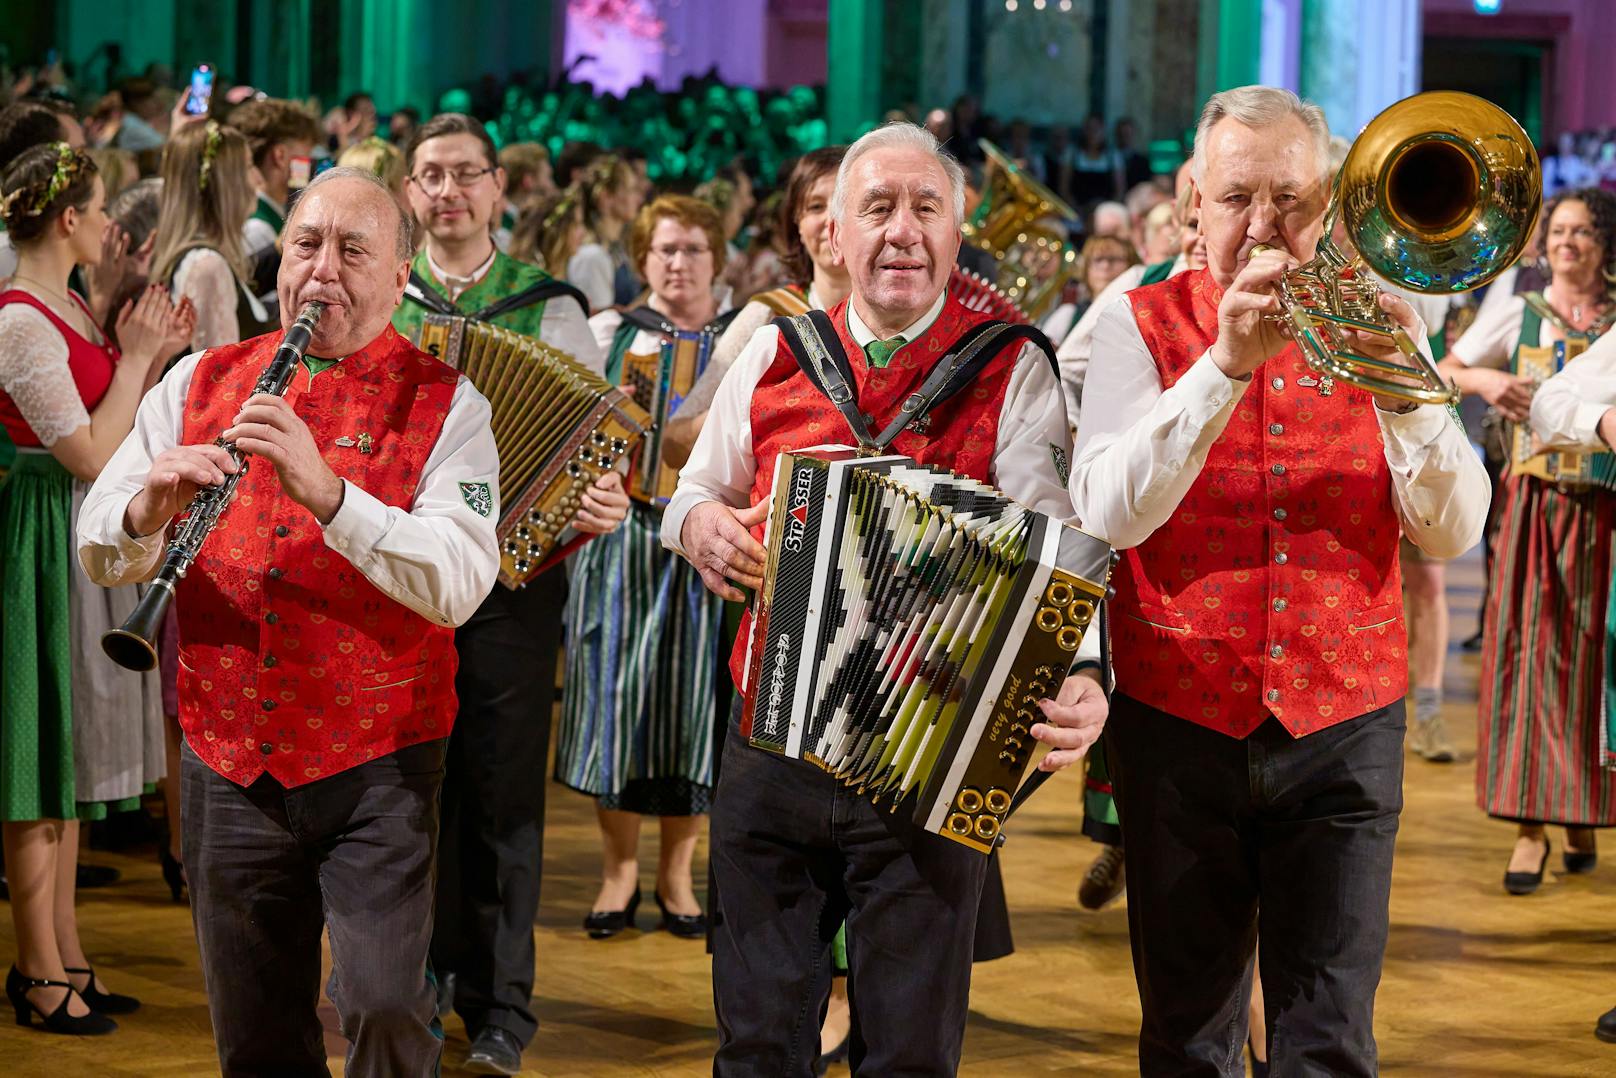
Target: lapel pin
<point>365,443</point>
<point>344,442</point>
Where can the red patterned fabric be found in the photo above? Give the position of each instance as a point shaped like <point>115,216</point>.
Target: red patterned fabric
<point>290,660</point>
<point>1275,587</point>
<point>789,412</point>
<point>92,366</point>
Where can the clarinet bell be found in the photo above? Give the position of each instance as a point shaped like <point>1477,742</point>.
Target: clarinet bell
<point>133,645</point>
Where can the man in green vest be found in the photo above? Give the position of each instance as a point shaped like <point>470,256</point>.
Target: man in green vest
<point>279,133</point>
<point>490,846</point>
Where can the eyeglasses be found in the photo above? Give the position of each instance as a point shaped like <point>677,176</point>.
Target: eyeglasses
<point>432,180</point>
<point>668,252</point>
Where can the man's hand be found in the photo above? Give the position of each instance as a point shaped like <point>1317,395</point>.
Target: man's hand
<point>1378,347</point>
<point>605,505</point>
<point>267,427</point>
<point>176,475</point>
<point>1511,395</point>
<point>1245,338</point>
<point>718,542</point>
<point>1072,721</point>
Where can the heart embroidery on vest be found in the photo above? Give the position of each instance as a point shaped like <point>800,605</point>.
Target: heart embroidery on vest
<point>1350,682</point>
<point>1299,683</point>
<point>381,708</point>
<point>366,724</point>
<point>226,662</point>
<point>1327,656</point>
<point>1216,548</point>
<point>345,646</point>
<point>314,724</point>
<point>1239,686</point>
<point>311,772</point>
<point>340,746</point>
<point>343,701</point>
<point>1185,683</point>
<point>1237,631</point>
<point>1309,630</point>
<point>1325,710</point>
<point>1333,491</point>
<point>1332,601</point>
<point>1212,602</point>
<point>1309,574</point>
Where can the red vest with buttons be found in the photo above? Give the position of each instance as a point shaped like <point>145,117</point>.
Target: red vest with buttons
<point>1274,589</point>
<point>291,661</point>
<point>789,412</point>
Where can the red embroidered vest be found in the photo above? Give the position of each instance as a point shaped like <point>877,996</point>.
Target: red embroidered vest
<point>291,661</point>
<point>1275,587</point>
<point>789,412</point>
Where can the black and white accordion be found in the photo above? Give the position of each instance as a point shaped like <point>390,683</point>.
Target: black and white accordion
<point>908,624</point>
<point>558,427</point>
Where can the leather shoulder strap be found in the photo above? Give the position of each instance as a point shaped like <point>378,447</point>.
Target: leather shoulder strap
<point>420,290</point>
<point>819,353</point>
<point>539,292</point>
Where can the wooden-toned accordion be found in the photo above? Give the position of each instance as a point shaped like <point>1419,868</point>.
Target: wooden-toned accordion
<point>1568,468</point>
<point>660,383</point>
<point>909,622</point>
<point>558,427</point>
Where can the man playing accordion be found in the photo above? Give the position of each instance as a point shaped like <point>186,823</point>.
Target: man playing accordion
<point>794,851</point>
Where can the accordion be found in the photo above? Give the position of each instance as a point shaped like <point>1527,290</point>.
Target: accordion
<point>977,293</point>
<point>1568,468</point>
<point>908,624</point>
<point>660,383</point>
<point>558,427</point>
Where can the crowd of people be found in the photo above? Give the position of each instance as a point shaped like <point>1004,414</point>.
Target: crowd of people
<point>149,251</point>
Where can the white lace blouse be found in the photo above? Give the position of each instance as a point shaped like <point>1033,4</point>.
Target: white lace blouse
<point>34,373</point>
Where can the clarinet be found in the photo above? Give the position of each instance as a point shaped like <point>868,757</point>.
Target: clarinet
<point>133,645</point>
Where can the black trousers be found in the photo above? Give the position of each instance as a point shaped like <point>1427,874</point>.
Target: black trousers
<point>1227,841</point>
<point>491,850</point>
<point>795,853</point>
<point>270,867</point>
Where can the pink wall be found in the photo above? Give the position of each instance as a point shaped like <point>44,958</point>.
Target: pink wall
<point>1581,83</point>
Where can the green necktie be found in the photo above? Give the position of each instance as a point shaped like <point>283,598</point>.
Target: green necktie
<point>879,353</point>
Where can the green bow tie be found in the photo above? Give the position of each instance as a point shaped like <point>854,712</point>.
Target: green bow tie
<point>879,353</point>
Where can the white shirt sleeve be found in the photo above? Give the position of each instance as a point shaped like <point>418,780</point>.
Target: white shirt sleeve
<point>603,327</point>
<point>590,271</point>
<point>1034,440</point>
<point>35,374</point>
<point>1490,340</point>
<point>204,276</point>
<point>565,327</point>
<point>1567,408</point>
<point>439,558</point>
<point>1077,346</point>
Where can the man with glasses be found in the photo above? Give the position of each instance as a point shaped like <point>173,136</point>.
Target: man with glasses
<point>491,848</point>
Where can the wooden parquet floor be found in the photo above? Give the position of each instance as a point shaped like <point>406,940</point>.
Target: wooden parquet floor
<point>1476,982</point>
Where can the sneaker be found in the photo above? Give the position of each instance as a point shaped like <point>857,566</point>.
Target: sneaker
<point>1429,739</point>
<point>1104,879</point>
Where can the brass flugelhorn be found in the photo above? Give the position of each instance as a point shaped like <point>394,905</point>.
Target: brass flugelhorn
<point>133,645</point>
<point>1012,223</point>
<point>1438,195</point>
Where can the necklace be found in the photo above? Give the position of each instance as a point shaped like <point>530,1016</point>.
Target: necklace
<point>49,291</point>
<point>74,314</point>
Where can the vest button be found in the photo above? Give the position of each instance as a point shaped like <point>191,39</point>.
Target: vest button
<point>1278,469</point>
<point>281,530</point>
<point>269,661</point>
<point>1280,514</point>
<point>1276,428</point>
<point>272,618</point>
<point>1273,695</point>
<point>266,748</point>
<point>269,705</point>
<point>276,574</point>
<point>1280,558</point>
<point>1278,383</point>
<point>1275,652</point>
<point>1280,605</point>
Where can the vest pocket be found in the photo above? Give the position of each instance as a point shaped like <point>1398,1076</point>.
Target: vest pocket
<point>1156,617</point>
<point>379,680</point>
<point>1376,617</point>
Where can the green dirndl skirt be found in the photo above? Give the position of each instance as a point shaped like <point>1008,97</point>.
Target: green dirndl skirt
<point>37,771</point>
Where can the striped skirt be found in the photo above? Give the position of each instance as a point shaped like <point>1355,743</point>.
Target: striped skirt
<point>638,701</point>
<point>1540,731</point>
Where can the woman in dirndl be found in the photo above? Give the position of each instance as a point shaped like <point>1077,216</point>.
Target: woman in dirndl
<point>79,736</point>
<point>1540,731</point>
<point>639,704</point>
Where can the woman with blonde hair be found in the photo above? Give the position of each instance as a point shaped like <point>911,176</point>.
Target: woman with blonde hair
<point>382,159</point>
<point>550,232</point>
<point>208,195</point>
<point>610,193</point>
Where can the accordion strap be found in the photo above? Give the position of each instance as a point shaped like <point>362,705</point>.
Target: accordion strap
<point>421,291</point>
<point>819,352</point>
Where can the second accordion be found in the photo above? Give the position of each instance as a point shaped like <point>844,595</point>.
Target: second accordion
<point>558,427</point>
<point>908,624</point>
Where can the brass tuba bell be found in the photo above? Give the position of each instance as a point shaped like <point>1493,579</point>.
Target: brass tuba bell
<point>1438,195</point>
<point>1035,261</point>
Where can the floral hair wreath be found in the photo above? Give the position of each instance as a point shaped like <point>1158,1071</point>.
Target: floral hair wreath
<point>69,163</point>
<point>210,151</point>
<point>567,204</point>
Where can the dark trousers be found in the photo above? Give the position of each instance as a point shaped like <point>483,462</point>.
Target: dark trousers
<point>795,853</point>
<point>270,867</point>
<point>1227,841</point>
<point>491,850</point>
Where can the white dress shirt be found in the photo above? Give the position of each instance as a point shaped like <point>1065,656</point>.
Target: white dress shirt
<point>1140,447</point>
<point>439,558</point>
<point>1568,407</point>
<point>1077,346</point>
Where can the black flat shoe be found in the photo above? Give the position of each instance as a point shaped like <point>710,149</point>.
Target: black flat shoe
<point>1524,883</point>
<point>684,925</point>
<point>58,1021</point>
<point>173,873</point>
<point>105,1002</point>
<point>604,924</point>
<point>1606,1029</point>
<point>495,1051</point>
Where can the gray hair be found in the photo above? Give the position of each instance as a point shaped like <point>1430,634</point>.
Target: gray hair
<point>406,226</point>
<point>1262,106</point>
<point>900,135</point>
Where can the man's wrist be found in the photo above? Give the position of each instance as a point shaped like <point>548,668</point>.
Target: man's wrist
<point>328,503</point>
<point>137,518</point>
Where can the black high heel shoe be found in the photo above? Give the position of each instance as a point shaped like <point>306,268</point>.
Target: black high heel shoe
<point>173,874</point>
<point>105,1002</point>
<point>604,924</point>
<point>58,1021</point>
<point>1524,883</point>
<point>684,925</point>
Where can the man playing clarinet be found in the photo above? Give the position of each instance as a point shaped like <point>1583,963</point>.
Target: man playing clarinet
<point>1256,739</point>
<point>316,652</point>
<point>794,852</point>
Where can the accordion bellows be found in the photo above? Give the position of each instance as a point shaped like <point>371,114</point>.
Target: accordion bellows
<point>909,622</point>
<point>558,427</point>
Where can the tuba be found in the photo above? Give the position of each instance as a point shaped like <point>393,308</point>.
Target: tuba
<point>1438,195</point>
<point>1035,261</point>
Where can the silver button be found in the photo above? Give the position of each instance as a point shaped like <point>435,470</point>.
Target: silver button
<point>1279,469</point>
<point>1279,605</point>
<point>1276,428</point>
<point>1276,652</point>
<point>1280,514</point>
<point>1280,558</point>
<point>1278,383</point>
<point>1273,694</point>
